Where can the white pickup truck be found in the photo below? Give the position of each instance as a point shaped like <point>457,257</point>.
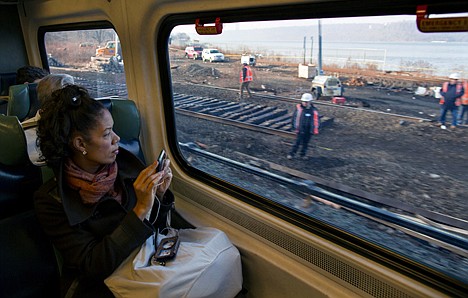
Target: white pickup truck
<point>212,55</point>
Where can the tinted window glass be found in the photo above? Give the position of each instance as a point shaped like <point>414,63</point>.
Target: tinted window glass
<point>91,57</point>
<point>382,154</point>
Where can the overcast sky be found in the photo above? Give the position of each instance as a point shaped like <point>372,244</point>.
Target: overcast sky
<point>289,23</point>
<point>271,24</point>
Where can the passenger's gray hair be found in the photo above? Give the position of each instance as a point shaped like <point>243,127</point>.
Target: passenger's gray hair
<point>50,83</point>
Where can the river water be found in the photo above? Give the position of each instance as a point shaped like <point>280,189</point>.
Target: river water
<point>437,58</point>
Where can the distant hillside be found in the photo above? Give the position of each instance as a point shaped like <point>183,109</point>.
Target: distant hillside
<point>393,32</point>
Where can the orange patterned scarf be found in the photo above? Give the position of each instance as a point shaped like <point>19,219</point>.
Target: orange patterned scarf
<point>92,187</point>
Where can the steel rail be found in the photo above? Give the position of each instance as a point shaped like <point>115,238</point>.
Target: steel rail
<point>292,100</point>
<point>310,187</point>
<point>433,216</point>
<point>252,127</point>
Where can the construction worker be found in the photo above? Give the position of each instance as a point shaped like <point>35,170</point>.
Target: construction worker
<point>464,104</point>
<point>451,93</point>
<point>246,76</point>
<point>305,122</point>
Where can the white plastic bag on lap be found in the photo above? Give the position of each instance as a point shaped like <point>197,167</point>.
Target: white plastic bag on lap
<point>207,264</point>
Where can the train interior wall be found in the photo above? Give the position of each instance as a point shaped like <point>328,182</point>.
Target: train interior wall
<point>269,270</point>
<point>12,50</point>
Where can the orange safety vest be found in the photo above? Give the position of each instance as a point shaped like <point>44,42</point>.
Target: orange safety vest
<point>464,98</point>
<point>445,88</point>
<point>315,120</point>
<point>248,76</point>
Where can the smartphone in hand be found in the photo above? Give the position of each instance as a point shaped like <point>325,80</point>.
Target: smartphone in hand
<point>161,158</point>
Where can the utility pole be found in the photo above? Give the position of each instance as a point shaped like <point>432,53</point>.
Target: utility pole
<point>320,48</point>
<point>311,49</point>
<point>304,50</point>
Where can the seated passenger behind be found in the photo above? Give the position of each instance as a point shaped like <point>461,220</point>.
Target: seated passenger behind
<point>23,101</point>
<point>30,74</point>
<point>45,88</point>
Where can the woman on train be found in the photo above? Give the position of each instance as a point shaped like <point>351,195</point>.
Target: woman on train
<point>97,209</point>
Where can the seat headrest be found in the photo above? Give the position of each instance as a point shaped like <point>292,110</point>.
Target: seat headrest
<point>13,146</point>
<point>19,102</point>
<point>6,80</point>
<point>33,100</point>
<point>127,125</point>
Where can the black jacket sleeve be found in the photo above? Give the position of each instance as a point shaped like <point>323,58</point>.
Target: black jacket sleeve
<point>89,247</point>
<point>293,119</point>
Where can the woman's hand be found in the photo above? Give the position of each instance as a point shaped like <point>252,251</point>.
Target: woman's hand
<point>147,184</point>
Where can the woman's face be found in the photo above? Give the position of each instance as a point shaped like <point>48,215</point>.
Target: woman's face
<point>102,145</point>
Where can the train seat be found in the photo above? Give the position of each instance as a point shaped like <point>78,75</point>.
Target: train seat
<point>28,262</point>
<point>7,79</point>
<point>3,106</point>
<point>127,123</point>
<point>19,178</point>
<point>23,102</point>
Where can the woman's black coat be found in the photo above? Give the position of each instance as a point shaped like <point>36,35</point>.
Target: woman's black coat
<point>94,240</point>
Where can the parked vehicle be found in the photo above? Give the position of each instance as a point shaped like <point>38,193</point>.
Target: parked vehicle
<point>109,50</point>
<point>112,50</point>
<point>249,59</point>
<point>212,55</point>
<point>328,86</point>
<point>193,52</point>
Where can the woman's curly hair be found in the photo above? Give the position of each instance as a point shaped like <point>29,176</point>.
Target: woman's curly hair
<point>69,110</point>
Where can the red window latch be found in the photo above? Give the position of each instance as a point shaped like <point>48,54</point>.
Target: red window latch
<point>209,30</point>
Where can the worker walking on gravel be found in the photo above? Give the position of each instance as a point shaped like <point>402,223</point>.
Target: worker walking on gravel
<point>451,93</point>
<point>246,76</point>
<point>305,122</point>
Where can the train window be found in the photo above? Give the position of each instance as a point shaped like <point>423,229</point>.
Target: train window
<point>384,167</point>
<point>92,56</point>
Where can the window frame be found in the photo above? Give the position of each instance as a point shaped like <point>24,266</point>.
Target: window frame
<point>369,250</point>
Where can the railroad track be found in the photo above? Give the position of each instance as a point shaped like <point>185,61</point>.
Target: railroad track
<point>441,230</point>
<point>318,103</point>
<point>260,118</point>
<point>277,122</point>
<point>256,117</point>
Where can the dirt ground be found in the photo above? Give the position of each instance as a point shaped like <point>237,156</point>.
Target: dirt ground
<point>404,159</point>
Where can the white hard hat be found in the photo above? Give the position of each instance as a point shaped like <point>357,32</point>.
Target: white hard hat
<point>306,97</point>
<point>454,76</point>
